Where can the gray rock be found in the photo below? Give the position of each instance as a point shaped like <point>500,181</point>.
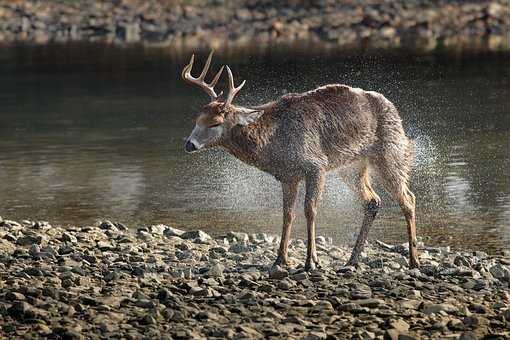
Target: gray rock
<point>469,336</point>
<point>197,236</point>
<point>300,276</point>
<point>171,231</point>
<point>361,292</point>
<point>429,308</point>
<point>28,240</point>
<point>237,236</point>
<point>277,272</point>
<point>500,272</point>
<point>371,303</point>
<point>68,237</point>
<point>108,225</point>
<point>238,248</point>
<point>216,270</point>
<point>158,229</point>
<point>14,296</point>
<point>400,325</point>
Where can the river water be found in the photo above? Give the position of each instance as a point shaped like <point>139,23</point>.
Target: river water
<point>90,132</point>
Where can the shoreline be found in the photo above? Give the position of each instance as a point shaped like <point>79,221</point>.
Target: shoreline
<point>422,26</point>
<point>106,280</point>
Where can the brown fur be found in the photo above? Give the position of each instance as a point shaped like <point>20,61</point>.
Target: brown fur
<point>302,136</point>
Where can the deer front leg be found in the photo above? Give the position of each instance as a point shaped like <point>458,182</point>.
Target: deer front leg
<point>289,190</point>
<point>314,186</point>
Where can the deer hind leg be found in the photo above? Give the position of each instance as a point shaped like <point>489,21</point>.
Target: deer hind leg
<point>289,190</point>
<point>359,183</point>
<point>314,187</point>
<point>394,168</point>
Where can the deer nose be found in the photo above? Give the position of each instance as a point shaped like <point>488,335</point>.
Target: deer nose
<point>190,146</point>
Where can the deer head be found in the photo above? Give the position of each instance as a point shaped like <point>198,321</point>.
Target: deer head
<point>218,117</point>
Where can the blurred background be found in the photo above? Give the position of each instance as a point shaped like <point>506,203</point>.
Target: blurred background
<point>93,112</point>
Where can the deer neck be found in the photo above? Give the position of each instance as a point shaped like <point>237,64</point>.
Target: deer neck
<point>247,143</point>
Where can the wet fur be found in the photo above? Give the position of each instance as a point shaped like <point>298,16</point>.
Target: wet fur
<point>330,127</point>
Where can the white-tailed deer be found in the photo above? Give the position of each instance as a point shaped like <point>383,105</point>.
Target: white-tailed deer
<point>301,137</point>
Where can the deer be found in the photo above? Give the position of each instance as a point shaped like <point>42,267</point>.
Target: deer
<point>302,136</point>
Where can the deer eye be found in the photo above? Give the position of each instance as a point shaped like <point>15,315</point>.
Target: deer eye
<point>215,125</point>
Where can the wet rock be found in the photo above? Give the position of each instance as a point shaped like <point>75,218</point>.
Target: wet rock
<point>29,240</point>
<point>152,286</point>
<point>108,225</point>
<point>456,325</point>
<point>371,303</point>
<point>361,292</point>
<point>429,308</point>
<point>171,231</point>
<point>23,311</point>
<point>197,236</point>
<point>500,272</point>
<point>237,237</point>
<point>216,270</point>
<point>14,296</point>
<point>68,237</point>
<point>300,276</point>
<point>277,272</point>
<point>399,325</point>
<point>238,248</point>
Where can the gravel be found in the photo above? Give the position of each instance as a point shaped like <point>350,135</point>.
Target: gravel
<point>106,281</point>
<point>416,24</point>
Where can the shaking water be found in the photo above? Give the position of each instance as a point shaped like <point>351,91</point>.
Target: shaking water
<point>89,132</point>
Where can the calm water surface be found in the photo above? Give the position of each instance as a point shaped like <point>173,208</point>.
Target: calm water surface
<point>92,132</point>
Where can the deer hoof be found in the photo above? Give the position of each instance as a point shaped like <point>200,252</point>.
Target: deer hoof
<point>310,265</point>
<point>282,262</point>
<point>414,263</point>
<point>352,263</point>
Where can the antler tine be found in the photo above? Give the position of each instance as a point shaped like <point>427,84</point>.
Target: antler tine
<point>216,77</point>
<point>232,90</point>
<point>187,69</point>
<point>200,82</point>
<point>206,66</point>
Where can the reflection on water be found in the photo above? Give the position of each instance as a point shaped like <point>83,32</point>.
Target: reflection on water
<point>90,133</point>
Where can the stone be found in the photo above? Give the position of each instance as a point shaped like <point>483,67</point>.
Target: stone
<point>285,284</point>
<point>237,236</point>
<point>500,272</point>
<point>278,273</point>
<point>430,308</point>
<point>29,240</point>
<point>506,314</point>
<point>300,276</point>
<point>171,231</point>
<point>314,335</point>
<point>361,292</point>
<point>400,325</point>
<point>22,311</point>
<point>469,336</point>
<point>216,270</point>
<point>238,248</point>
<point>197,236</point>
<point>14,296</point>
<point>371,303</point>
<point>107,225</point>
<point>68,237</point>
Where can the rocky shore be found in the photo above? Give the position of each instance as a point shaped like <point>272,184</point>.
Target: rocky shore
<point>367,24</point>
<point>108,281</point>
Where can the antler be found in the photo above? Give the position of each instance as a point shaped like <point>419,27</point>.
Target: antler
<point>232,90</point>
<point>200,81</point>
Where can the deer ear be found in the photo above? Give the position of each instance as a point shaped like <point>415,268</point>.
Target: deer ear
<point>247,117</point>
